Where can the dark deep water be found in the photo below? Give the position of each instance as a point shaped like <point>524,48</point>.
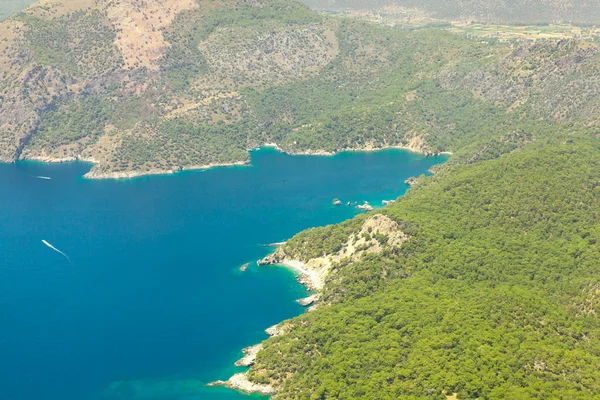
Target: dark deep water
<point>154,305</point>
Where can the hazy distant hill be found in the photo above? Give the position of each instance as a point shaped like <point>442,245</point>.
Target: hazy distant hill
<point>508,11</point>
<point>9,7</point>
<point>481,10</point>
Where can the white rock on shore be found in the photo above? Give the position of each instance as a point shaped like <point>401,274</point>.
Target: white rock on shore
<point>275,330</point>
<point>312,278</point>
<point>366,206</point>
<point>50,159</point>
<point>412,181</point>
<point>240,382</point>
<point>307,301</point>
<point>276,244</point>
<point>250,355</point>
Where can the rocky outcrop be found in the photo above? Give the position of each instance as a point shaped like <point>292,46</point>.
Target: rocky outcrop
<point>276,244</point>
<point>377,232</point>
<point>276,330</point>
<point>249,355</point>
<point>241,383</point>
<point>366,206</point>
<point>412,181</point>
<point>311,278</point>
<point>274,258</point>
<point>307,301</point>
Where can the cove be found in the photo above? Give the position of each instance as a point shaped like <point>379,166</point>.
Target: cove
<point>153,305</point>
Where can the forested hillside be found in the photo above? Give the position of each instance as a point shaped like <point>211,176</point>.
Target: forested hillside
<point>495,295</point>
<point>507,11</point>
<point>162,85</point>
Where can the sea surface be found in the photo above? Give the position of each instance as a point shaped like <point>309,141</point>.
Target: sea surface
<point>152,304</point>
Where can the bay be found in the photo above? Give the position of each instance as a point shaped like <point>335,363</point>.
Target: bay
<point>152,304</point>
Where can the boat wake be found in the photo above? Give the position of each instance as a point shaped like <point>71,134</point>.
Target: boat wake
<point>43,177</point>
<point>57,250</point>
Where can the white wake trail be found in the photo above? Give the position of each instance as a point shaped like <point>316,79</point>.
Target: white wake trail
<point>43,177</point>
<point>57,250</point>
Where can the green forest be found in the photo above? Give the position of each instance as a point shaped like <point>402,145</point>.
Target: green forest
<point>495,296</point>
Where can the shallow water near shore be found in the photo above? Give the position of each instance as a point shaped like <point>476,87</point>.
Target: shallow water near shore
<point>153,305</point>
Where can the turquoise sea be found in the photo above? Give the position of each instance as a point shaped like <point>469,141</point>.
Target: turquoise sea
<point>152,305</point>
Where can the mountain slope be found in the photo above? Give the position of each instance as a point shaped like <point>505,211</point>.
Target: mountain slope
<point>104,93</point>
<point>157,86</point>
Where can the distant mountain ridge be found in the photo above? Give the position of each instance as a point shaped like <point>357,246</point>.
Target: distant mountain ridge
<point>498,11</point>
<point>9,7</point>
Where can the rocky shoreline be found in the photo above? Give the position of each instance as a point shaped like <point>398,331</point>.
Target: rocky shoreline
<point>312,274</point>
<point>249,355</point>
<point>307,277</point>
<point>240,381</point>
<point>98,174</point>
<point>136,174</point>
<point>369,148</point>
